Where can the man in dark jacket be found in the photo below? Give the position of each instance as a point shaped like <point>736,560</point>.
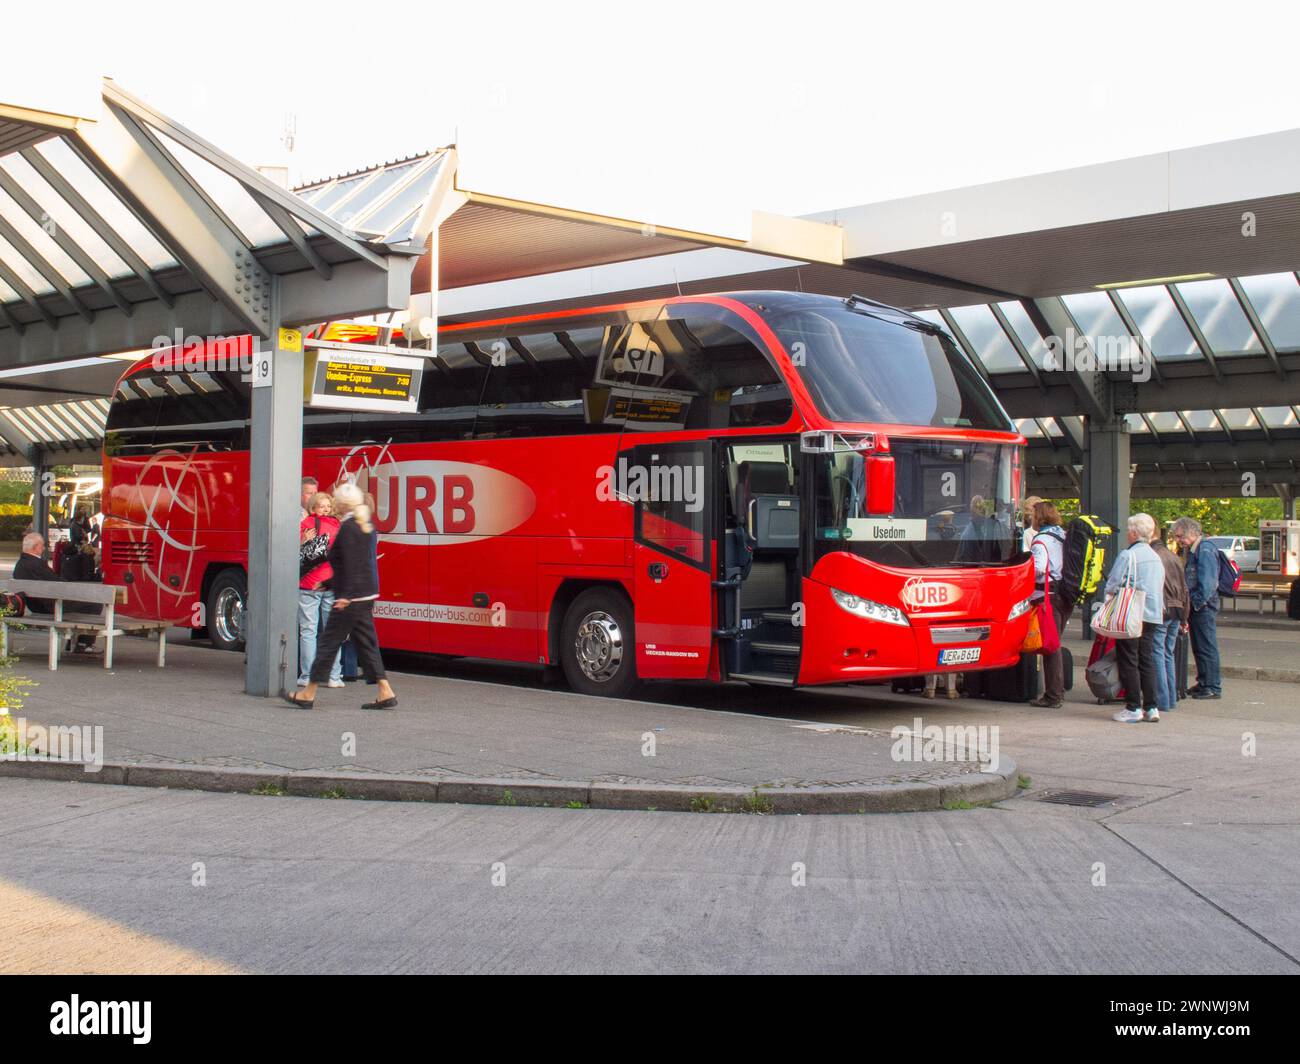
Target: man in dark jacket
<point>31,566</point>
<point>1166,641</point>
<point>1203,601</point>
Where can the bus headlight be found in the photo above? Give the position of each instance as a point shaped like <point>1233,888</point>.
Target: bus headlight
<point>1019,609</point>
<point>872,611</point>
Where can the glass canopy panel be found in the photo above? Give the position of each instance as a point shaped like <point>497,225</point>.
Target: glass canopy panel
<point>1240,419</point>
<point>369,198</point>
<point>42,243</point>
<point>1053,429</point>
<point>8,295</point>
<point>19,265</point>
<point>338,191</point>
<point>1098,320</point>
<point>256,226</point>
<point>1166,421</point>
<point>1220,317</point>
<point>1279,417</point>
<point>403,203</point>
<point>1276,299</point>
<point>106,204</point>
<point>1202,420</point>
<point>1136,424</point>
<point>1028,428</point>
<point>1025,332</point>
<point>1156,317</point>
<point>987,338</point>
<point>61,213</point>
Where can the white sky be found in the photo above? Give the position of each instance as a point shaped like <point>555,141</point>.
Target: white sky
<point>682,113</point>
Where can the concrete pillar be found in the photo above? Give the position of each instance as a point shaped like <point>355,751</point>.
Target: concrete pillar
<point>274,486</point>
<point>1106,472</point>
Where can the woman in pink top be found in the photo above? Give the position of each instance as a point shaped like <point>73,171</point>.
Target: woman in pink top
<point>315,598</point>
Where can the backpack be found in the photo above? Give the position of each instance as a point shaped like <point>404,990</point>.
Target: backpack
<point>1229,575</point>
<point>1083,558</point>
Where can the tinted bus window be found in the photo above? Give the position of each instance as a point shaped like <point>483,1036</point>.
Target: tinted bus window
<point>204,411</point>
<point>131,420</point>
<point>714,376</point>
<point>861,367</point>
<point>536,385</point>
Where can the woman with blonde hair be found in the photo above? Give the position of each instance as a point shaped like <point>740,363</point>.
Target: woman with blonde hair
<point>356,587</point>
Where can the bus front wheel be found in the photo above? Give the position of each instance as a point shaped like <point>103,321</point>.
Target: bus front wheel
<point>226,601</point>
<point>597,648</point>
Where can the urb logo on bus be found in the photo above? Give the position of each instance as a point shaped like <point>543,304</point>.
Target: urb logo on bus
<point>457,502</point>
<point>919,593</point>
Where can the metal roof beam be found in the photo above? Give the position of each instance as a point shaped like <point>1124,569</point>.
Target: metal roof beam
<point>26,294</point>
<point>1018,345</point>
<point>69,246</point>
<point>95,220</point>
<point>1194,327</point>
<point>294,234</point>
<point>132,163</point>
<point>1265,341</point>
<point>41,265</point>
<point>1135,334</point>
<point>1052,318</point>
<point>250,179</point>
<point>963,341</point>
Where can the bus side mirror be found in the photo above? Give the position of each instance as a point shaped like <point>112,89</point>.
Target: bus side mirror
<point>880,484</point>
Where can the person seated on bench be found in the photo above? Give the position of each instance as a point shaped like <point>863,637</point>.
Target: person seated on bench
<point>80,565</point>
<point>31,566</point>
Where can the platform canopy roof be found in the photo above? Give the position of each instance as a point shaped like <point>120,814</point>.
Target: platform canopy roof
<point>124,227</point>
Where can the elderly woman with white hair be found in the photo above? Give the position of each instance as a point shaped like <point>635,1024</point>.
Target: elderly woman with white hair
<point>1142,569</point>
<point>356,587</point>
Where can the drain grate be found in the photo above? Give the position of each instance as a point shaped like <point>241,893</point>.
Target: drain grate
<point>1084,799</point>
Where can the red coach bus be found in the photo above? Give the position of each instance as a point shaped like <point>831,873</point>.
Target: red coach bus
<point>773,487</point>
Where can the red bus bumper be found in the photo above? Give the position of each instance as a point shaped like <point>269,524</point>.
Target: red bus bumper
<point>963,610</point>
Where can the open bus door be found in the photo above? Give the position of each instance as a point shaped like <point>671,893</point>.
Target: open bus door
<point>672,487</point>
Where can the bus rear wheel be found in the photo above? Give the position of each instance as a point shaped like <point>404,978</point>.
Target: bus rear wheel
<point>597,649</point>
<point>227,599</point>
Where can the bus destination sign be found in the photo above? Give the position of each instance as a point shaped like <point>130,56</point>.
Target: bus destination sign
<point>347,380</point>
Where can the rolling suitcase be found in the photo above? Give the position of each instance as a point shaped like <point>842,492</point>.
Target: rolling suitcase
<point>1021,682</point>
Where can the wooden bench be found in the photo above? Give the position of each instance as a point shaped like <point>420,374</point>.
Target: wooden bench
<point>60,624</point>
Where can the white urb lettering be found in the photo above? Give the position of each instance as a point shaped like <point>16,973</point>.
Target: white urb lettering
<point>103,1017</point>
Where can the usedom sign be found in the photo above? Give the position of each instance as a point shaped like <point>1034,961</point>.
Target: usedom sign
<point>374,380</point>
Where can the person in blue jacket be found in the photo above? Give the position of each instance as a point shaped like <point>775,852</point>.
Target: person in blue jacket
<point>1202,569</point>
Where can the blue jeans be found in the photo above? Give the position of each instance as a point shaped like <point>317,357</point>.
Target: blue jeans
<point>1166,651</point>
<point>314,608</point>
<point>1205,647</point>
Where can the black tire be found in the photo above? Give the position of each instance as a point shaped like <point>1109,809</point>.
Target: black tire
<point>608,664</point>
<point>225,628</point>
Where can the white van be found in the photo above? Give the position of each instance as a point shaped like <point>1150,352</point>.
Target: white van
<point>1244,550</point>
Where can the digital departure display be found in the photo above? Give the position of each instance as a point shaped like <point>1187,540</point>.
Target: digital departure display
<point>359,381</point>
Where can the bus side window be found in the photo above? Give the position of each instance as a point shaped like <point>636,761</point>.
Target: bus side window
<point>131,420</point>
<point>536,384</point>
<point>449,392</point>
<point>201,411</point>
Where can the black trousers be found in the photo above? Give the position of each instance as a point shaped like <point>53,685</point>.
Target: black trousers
<point>1054,664</point>
<point>357,621</point>
<point>1136,659</point>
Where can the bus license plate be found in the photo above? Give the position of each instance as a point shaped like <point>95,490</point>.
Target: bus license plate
<point>959,655</point>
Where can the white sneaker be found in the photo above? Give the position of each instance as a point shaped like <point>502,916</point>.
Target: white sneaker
<point>302,681</point>
<point>1153,716</point>
<point>336,683</point>
<point>1129,716</point>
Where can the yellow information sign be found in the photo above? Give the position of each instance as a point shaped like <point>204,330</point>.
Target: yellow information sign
<point>291,340</point>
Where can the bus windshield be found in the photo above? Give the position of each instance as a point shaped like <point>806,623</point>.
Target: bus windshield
<point>953,505</point>
<point>860,366</point>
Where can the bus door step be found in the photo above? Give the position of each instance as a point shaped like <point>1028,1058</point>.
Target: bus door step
<point>776,679</point>
<point>789,650</point>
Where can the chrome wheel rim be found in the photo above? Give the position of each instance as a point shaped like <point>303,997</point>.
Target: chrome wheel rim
<point>598,646</point>
<point>229,619</point>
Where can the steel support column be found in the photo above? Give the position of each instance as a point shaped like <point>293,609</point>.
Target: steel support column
<point>274,479</point>
<point>1106,488</point>
<point>1289,496</point>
